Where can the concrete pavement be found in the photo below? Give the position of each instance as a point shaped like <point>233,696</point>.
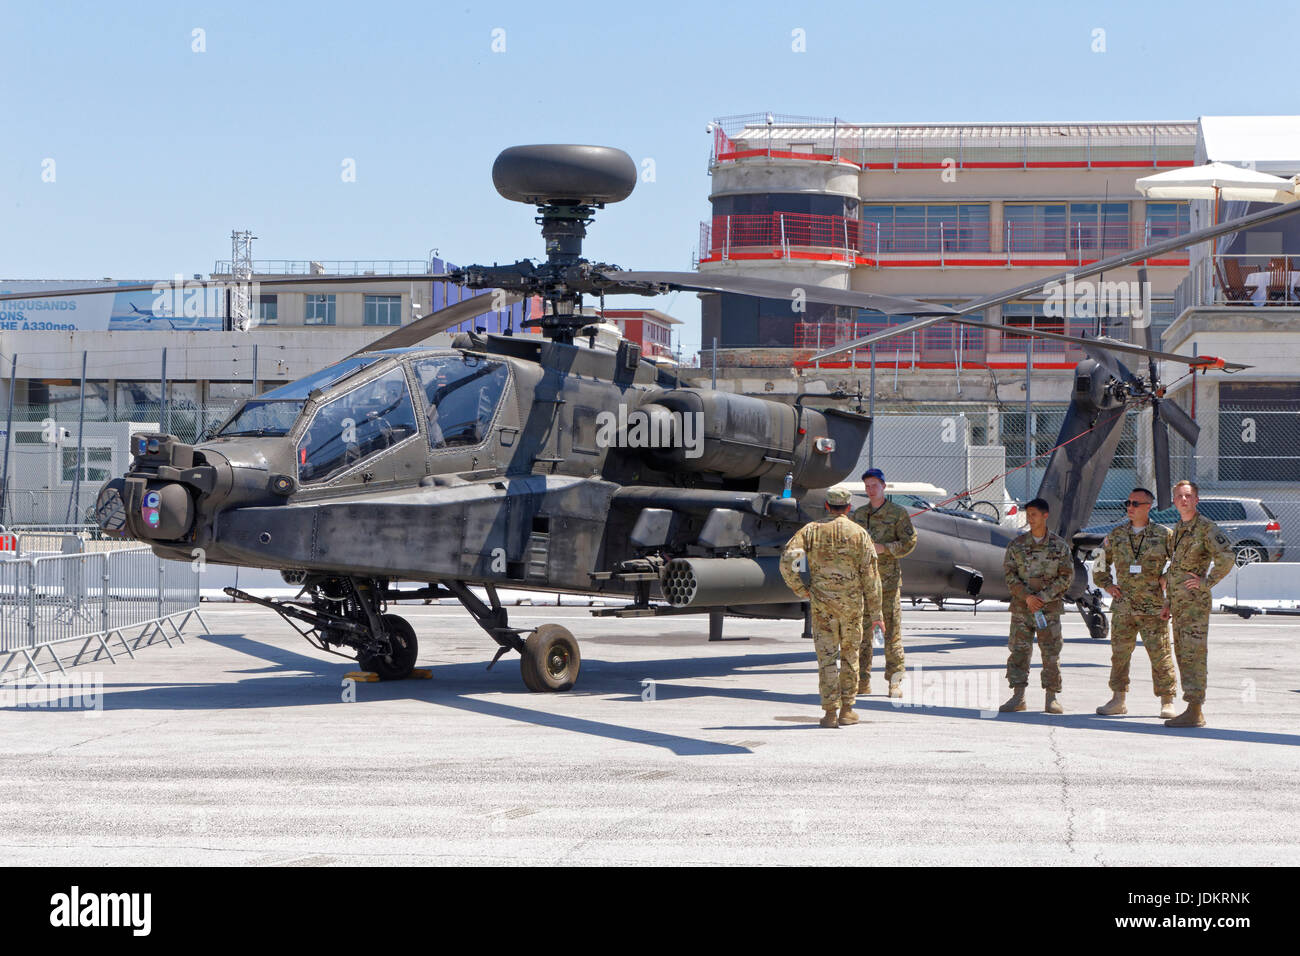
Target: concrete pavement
<point>242,748</point>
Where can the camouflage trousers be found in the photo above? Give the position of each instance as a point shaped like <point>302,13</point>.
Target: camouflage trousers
<point>838,638</point>
<point>893,617</point>
<point>1021,645</point>
<point>1191,618</point>
<point>1124,629</point>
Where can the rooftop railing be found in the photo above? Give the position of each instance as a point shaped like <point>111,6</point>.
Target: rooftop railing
<point>329,267</point>
<point>966,146</point>
<point>783,235</point>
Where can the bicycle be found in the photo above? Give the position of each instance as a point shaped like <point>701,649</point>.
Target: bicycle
<point>985,509</point>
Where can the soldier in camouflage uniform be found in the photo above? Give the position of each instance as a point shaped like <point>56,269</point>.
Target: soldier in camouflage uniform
<point>1039,570</point>
<point>1139,550</point>
<point>1197,542</point>
<point>841,563</point>
<point>891,530</point>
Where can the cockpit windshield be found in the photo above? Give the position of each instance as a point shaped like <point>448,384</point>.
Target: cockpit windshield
<point>356,426</point>
<point>463,393</point>
<point>274,412</point>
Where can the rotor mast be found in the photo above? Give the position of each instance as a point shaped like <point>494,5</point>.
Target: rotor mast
<point>564,226</point>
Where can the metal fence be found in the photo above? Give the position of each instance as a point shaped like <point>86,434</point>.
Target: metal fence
<point>37,540</point>
<point>58,459</point>
<point>1247,461</point>
<point>788,235</point>
<point>111,601</point>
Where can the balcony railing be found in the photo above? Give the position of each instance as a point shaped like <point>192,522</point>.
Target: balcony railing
<point>1254,281</point>
<point>785,235</point>
<point>940,346</point>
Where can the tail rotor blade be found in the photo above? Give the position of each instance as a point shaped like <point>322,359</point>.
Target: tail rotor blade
<point>1160,449</point>
<point>1179,421</point>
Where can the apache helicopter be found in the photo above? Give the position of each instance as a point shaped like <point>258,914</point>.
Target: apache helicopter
<point>540,463</point>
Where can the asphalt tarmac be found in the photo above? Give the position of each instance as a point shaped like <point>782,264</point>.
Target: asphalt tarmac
<point>241,748</point>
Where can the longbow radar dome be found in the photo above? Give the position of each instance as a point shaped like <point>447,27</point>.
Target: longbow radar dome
<point>564,175</point>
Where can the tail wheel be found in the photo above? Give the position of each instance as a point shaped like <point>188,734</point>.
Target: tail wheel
<point>551,660</point>
<point>403,647</point>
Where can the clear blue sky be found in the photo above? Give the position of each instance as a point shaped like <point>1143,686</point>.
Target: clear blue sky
<point>160,151</point>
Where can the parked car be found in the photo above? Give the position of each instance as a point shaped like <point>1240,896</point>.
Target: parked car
<point>1253,529</point>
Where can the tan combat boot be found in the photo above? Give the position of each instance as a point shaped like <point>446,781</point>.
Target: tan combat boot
<point>1115,706</point>
<point>896,685</point>
<point>1016,703</point>
<point>1191,717</point>
<point>829,719</point>
<point>864,685</point>
<point>1051,705</point>
<point>1167,706</point>
<point>848,715</point>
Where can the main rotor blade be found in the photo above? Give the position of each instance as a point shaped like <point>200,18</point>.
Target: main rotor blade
<point>1038,286</point>
<point>1179,420</point>
<point>1110,345</point>
<point>778,289</point>
<point>164,286</point>
<point>436,322</point>
<point>1160,450</point>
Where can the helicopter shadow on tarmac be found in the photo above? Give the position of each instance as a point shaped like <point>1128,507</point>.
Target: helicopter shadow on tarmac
<point>293,690</point>
<point>453,684</point>
<point>1079,721</point>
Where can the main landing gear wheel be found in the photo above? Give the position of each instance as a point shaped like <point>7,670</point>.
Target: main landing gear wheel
<point>403,648</point>
<point>550,660</point>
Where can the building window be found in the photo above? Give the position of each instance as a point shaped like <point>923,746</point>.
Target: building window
<point>1034,227</point>
<point>383,310</point>
<point>796,204</point>
<point>1027,315</point>
<point>1098,227</point>
<point>1167,219</point>
<point>268,310</point>
<point>1081,227</point>
<point>320,310</point>
<point>958,227</point>
<point>96,464</point>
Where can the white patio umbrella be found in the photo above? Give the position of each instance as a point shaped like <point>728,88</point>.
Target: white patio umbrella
<point>1218,181</point>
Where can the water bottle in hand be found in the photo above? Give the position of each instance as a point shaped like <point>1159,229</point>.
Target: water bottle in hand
<point>1040,620</point>
<point>877,637</point>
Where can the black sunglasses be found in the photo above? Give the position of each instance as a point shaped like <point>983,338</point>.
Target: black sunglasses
<point>1135,504</point>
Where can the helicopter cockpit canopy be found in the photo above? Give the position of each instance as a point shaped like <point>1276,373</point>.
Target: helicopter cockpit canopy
<point>357,425</point>
<point>463,393</point>
<point>274,412</point>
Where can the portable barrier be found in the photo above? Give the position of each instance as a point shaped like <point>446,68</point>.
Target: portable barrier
<point>113,600</point>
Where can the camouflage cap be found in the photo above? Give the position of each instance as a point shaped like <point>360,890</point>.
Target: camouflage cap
<point>838,498</point>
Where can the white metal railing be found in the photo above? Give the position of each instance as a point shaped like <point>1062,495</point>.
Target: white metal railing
<point>328,267</point>
<point>1258,279</point>
<point>45,601</point>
